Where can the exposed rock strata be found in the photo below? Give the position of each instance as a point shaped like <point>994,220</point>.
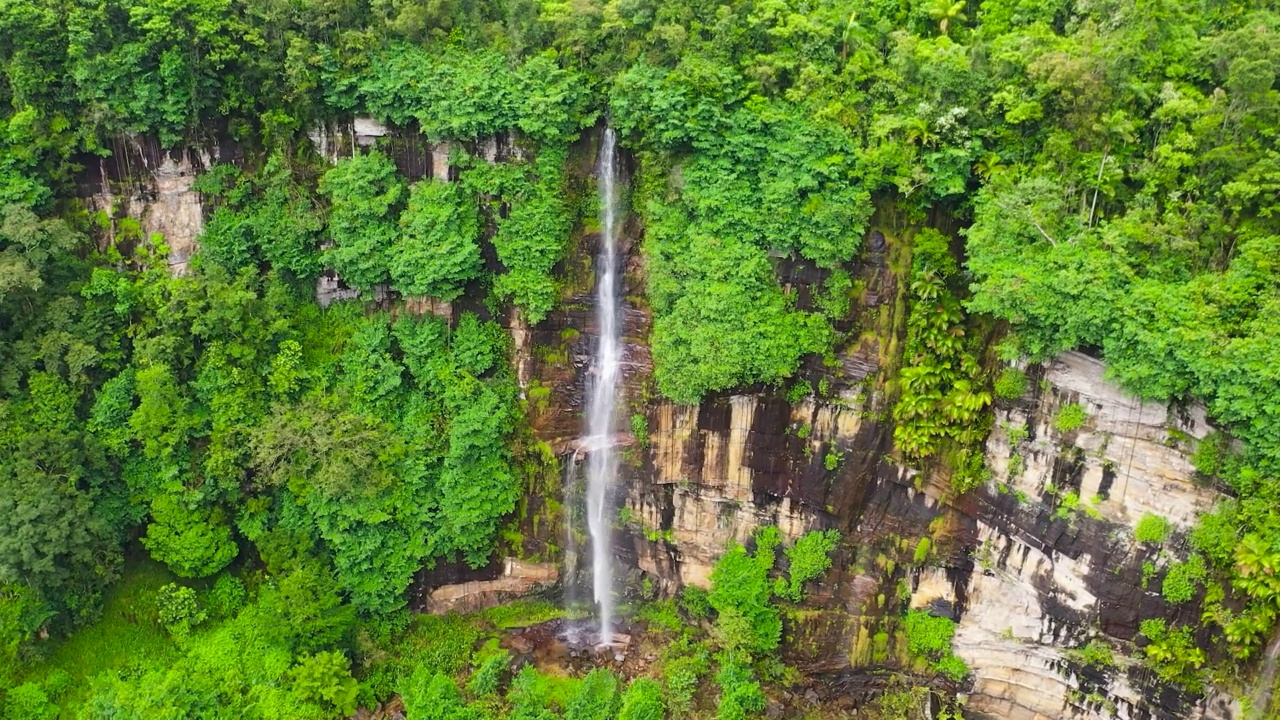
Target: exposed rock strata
<point>152,187</point>
<point>517,580</point>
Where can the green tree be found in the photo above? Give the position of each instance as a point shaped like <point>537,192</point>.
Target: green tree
<point>178,609</point>
<point>740,594</point>
<point>437,251</point>
<point>325,680</point>
<point>365,193</point>
<point>193,541</point>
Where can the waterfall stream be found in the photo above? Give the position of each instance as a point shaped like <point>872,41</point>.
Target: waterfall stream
<point>606,374</point>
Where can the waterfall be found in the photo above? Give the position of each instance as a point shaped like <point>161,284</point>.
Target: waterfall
<point>606,374</point>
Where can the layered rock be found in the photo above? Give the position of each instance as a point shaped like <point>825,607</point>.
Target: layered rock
<point>1031,566</point>
<point>150,188</point>
<point>518,579</point>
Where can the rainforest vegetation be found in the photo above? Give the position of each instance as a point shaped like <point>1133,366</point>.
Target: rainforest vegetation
<point>215,492</point>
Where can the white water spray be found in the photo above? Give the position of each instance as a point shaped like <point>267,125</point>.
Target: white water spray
<point>606,373</point>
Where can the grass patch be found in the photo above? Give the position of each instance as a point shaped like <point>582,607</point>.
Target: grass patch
<point>522,613</point>
<point>127,634</point>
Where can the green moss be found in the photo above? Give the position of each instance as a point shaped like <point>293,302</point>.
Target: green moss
<point>522,613</point>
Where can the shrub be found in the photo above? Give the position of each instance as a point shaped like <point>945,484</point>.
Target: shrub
<point>178,609</point>
<point>832,460</point>
<point>226,597</point>
<point>642,701</point>
<point>1172,653</point>
<point>1182,580</point>
<point>683,664</point>
<point>1011,384</point>
<point>596,699</point>
<point>929,637</point>
<point>661,615</point>
<point>740,593</point>
<point>28,701</point>
<point>640,429</point>
<point>740,694</point>
<point>1096,653</point>
<point>799,392</point>
<point>488,677</point>
<point>922,551</point>
<point>1016,466</point>
<point>1071,416</point>
<point>431,695</point>
<point>1217,533</point>
<point>1017,433</point>
<point>695,601</point>
<point>1151,529</point>
<point>534,696</point>
<point>325,679</point>
<point>1209,454</point>
<point>809,558</point>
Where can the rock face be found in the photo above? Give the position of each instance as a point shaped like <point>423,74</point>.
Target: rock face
<point>517,580</point>
<point>1059,565</point>
<point>1130,455</point>
<point>146,193</point>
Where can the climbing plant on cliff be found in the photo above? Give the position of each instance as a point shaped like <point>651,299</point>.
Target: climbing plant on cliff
<point>942,391</point>
<point>365,194</point>
<point>437,250</point>
<point>528,203</point>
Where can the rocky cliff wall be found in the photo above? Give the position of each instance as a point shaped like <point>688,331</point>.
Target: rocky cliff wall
<point>144,193</point>
<point>1037,563</point>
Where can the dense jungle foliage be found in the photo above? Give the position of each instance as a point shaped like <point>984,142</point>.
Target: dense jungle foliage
<point>1108,172</point>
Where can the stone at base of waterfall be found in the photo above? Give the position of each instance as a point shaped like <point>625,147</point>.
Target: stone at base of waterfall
<point>521,644</point>
<point>618,645</point>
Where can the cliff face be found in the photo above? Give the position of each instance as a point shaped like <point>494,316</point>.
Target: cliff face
<point>1052,577</point>
<point>145,193</point>
<point>1039,561</point>
<point>1035,564</point>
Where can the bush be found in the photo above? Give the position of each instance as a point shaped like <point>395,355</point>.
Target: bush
<point>740,593</point>
<point>431,695</point>
<point>683,664</point>
<point>178,609</point>
<point>1151,529</point>
<point>922,551</point>
<point>596,699</point>
<point>640,429</point>
<point>696,602</point>
<point>1209,454</point>
<point>487,678</point>
<point>28,701</point>
<point>661,615</point>
<point>1183,579</point>
<point>226,597</point>
<point>534,696</point>
<point>1071,416</point>
<point>1011,384</point>
<point>929,637</point>
<point>1172,653</point>
<point>809,558</point>
<point>442,642</point>
<point>642,701</point>
<point>1217,533</point>
<point>740,694</point>
<point>325,679</point>
<point>1096,653</point>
